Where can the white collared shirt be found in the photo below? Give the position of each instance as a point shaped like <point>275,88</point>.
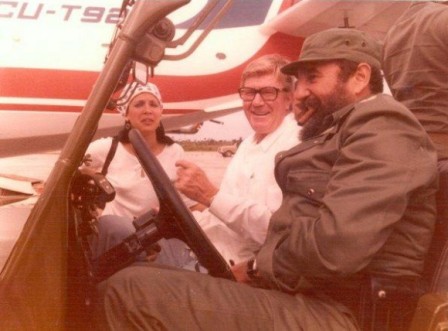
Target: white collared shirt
<point>238,218</point>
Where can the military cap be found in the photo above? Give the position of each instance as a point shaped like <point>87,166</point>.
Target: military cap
<point>337,44</point>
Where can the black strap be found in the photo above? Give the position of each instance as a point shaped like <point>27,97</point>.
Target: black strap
<point>110,155</point>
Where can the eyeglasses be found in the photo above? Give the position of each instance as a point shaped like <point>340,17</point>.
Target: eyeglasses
<point>268,93</point>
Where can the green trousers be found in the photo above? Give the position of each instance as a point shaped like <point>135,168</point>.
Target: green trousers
<point>154,298</point>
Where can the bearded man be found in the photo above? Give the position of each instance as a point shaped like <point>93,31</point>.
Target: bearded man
<point>356,216</point>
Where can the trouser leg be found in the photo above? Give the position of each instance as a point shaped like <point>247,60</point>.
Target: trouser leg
<point>153,298</point>
<point>112,230</point>
<point>176,253</point>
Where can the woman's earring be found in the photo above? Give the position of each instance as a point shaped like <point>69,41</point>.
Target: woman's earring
<point>127,125</point>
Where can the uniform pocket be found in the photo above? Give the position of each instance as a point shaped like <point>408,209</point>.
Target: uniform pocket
<point>309,184</point>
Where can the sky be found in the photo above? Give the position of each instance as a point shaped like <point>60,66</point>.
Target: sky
<point>234,126</point>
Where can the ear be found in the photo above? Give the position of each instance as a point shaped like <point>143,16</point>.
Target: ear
<point>361,79</point>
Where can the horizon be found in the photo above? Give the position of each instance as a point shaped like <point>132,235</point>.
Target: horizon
<point>234,126</point>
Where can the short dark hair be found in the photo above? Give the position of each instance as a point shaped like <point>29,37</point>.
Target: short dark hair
<point>348,68</point>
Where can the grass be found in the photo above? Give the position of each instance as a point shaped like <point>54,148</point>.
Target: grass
<point>206,145</point>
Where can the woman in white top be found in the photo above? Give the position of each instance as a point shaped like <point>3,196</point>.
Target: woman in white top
<point>142,109</point>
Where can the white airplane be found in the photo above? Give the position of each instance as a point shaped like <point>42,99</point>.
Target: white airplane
<point>38,283</point>
<point>51,53</point>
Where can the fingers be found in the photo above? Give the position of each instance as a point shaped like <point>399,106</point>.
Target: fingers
<point>193,182</point>
<point>240,272</point>
<point>185,169</point>
<point>152,252</point>
<point>188,171</point>
<point>184,164</point>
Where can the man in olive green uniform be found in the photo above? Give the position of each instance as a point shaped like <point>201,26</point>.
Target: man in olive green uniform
<point>358,204</point>
<point>415,57</point>
<point>415,67</point>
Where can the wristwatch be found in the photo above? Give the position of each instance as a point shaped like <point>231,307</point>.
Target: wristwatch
<point>252,271</point>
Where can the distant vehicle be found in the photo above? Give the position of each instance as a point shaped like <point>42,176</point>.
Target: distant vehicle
<point>229,150</point>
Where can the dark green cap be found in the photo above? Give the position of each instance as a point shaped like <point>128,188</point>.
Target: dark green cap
<point>336,44</point>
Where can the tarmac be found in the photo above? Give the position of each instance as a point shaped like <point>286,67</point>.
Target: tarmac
<point>39,166</point>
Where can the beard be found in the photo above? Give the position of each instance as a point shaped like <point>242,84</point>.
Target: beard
<point>324,106</point>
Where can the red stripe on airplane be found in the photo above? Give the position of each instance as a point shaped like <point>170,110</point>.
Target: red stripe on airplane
<point>66,84</point>
<point>29,107</point>
<point>77,109</point>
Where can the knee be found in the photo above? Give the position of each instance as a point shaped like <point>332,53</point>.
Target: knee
<point>112,230</point>
<point>114,300</point>
<point>125,301</point>
<point>130,285</point>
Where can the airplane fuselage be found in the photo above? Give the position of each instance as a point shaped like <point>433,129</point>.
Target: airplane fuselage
<point>52,52</point>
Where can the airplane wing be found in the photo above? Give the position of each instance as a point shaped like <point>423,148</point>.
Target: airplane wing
<point>30,145</point>
<point>18,184</point>
<point>174,124</point>
<point>15,188</point>
<point>310,16</point>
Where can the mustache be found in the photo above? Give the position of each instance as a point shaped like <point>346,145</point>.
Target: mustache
<point>310,102</point>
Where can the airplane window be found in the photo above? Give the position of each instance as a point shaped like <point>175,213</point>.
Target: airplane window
<point>237,16</point>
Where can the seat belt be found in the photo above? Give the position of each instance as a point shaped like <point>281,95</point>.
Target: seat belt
<point>110,155</point>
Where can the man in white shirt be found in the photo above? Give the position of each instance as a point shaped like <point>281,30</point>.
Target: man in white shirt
<point>238,213</point>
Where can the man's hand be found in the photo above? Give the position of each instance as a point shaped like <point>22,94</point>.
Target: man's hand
<point>194,183</point>
<point>152,252</point>
<point>240,273</point>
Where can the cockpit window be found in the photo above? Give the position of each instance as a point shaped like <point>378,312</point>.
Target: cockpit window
<point>237,15</point>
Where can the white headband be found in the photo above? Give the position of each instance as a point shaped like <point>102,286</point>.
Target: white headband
<point>133,89</point>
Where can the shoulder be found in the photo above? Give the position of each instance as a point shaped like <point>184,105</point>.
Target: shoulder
<point>99,146</point>
<point>291,127</point>
<point>102,141</point>
<point>384,111</point>
<point>440,17</point>
<point>174,150</point>
<point>383,130</point>
<point>175,147</point>
<point>437,13</point>
<point>380,104</point>
<point>382,115</point>
<point>248,141</point>
<point>98,151</point>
